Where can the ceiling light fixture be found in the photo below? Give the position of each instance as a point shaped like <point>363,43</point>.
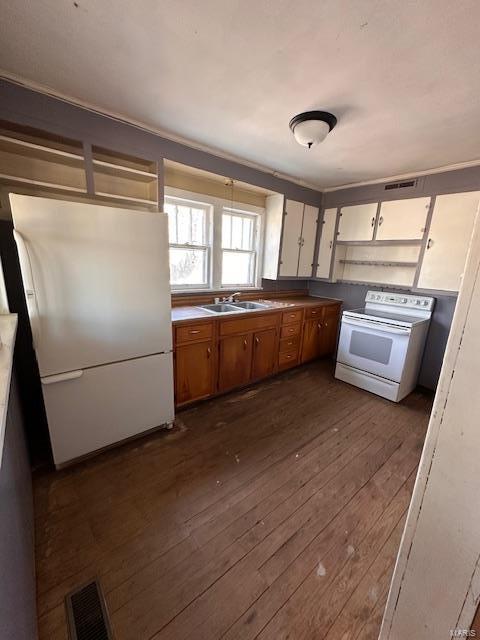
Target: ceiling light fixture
<point>311,127</point>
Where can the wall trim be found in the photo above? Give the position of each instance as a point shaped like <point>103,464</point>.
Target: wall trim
<point>406,176</point>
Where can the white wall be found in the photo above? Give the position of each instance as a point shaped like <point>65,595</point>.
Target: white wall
<point>436,584</point>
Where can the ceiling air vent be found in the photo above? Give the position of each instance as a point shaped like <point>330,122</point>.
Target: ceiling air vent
<point>400,185</point>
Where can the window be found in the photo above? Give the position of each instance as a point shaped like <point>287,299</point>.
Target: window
<point>212,244</point>
<point>239,248</point>
<point>189,239</point>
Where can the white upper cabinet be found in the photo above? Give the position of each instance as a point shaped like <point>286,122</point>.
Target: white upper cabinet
<point>326,243</point>
<point>290,234</point>
<point>448,241</point>
<point>357,222</point>
<point>403,219</point>
<point>291,238</point>
<point>307,244</point>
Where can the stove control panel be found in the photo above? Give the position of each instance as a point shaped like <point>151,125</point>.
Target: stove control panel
<point>405,301</point>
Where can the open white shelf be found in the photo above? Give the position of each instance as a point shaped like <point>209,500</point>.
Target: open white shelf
<point>117,169</point>
<point>116,196</point>
<point>380,263</point>
<point>41,183</point>
<point>51,154</point>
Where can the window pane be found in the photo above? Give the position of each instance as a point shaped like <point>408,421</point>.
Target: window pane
<point>183,224</point>
<point>237,268</point>
<point>171,210</point>
<point>226,230</point>
<point>198,226</point>
<point>247,234</point>
<point>188,266</point>
<point>237,229</point>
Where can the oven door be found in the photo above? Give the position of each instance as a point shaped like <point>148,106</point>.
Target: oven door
<point>374,347</point>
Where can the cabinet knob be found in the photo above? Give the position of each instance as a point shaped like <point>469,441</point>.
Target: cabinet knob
<point>209,352</point>
<point>380,220</point>
<point>373,222</point>
<point>193,331</point>
<point>257,340</point>
<point>330,244</point>
<point>319,326</point>
<point>429,243</point>
<point>245,344</point>
<point>314,313</point>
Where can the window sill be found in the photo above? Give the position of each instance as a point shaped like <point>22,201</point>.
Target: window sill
<point>186,292</point>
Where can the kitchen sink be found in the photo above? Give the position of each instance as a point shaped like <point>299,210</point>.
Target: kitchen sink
<point>222,307</point>
<point>250,305</point>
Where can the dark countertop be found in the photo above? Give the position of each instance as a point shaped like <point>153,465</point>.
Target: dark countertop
<point>189,313</point>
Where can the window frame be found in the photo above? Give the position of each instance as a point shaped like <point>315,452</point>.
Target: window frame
<point>207,247</point>
<point>217,205</point>
<point>253,252</point>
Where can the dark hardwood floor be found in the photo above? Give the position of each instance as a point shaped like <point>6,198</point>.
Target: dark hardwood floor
<point>272,513</point>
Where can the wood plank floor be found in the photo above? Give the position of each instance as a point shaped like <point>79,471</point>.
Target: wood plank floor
<point>272,513</point>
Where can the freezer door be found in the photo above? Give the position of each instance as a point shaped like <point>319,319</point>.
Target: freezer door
<point>94,408</point>
<point>96,281</point>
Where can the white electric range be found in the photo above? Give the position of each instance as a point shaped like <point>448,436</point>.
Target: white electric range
<point>381,345</point>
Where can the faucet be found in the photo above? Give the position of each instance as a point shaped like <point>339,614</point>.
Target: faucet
<point>231,297</point>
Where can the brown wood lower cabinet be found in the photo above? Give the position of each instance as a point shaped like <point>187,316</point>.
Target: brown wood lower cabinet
<point>311,339</point>
<point>328,335</point>
<point>264,353</point>
<point>194,371</point>
<point>320,334</point>
<point>234,361</point>
<point>213,356</point>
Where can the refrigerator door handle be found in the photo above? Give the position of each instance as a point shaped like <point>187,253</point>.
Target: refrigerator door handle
<point>27,276</point>
<point>62,377</point>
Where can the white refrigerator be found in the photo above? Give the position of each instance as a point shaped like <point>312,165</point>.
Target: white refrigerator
<point>97,287</point>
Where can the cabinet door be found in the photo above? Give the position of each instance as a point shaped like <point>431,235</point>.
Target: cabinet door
<point>234,361</point>
<point>328,334</point>
<point>448,240</point>
<point>292,233</point>
<point>311,339</point>
<point>194,368</point>
<point>307,245</point>
<point>357,222</point>
<point>264,353</point>
<point>326,243</point>
<point>403,219</point>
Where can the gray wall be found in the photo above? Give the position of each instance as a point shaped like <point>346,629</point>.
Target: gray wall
<point>30,108</point>
<point>17,566</point>
<point>353,297</point>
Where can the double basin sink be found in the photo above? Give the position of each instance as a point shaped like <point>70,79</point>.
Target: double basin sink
<point>233,307</point>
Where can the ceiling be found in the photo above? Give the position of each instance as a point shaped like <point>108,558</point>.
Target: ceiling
<point>402,76</point>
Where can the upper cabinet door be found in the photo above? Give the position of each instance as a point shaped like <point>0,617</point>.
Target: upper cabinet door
<point>448,240</point>
<point>307,245</point>
<point>326,243</point>
<point>357,222</point>
<point>403,219</point>
<point>291,238</point>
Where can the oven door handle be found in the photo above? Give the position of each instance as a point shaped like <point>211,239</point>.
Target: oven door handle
<point>376,325</point>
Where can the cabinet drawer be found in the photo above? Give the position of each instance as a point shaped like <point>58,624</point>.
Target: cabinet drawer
<point>287,359</point>
<point>193,332</point>
<point>244,325</point>
<point>313,312</point>
<point>288,344</point>
<point>288,317</point>
<point>290,330</point>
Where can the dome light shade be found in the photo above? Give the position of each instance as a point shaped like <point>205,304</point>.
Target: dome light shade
<point>311,127</point>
